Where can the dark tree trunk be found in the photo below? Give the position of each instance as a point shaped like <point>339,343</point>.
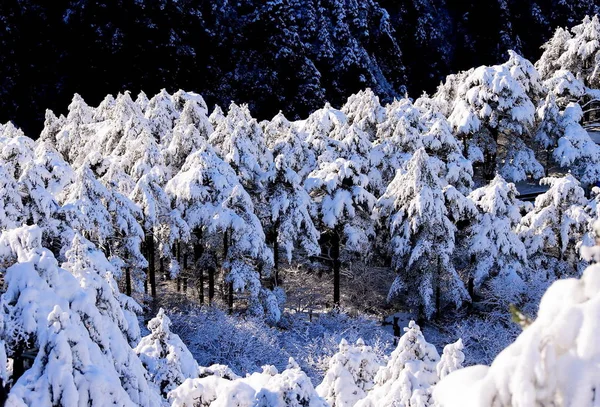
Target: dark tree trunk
<point>438,298</point>
<point>18,365</point>
<point>471,288</point>
<point>276,255</point>
<point>178,254</point>
<point>200,286</point>
<point>151,264</point>
<point>185,267</point>
<point>128,281</point>
<point>198,251</point>
<point>161,264</point>
<point>225,244</point>
<point>211,284</point>
<point>230,285</point>
<point>335,255</point>
<point>230,298</point>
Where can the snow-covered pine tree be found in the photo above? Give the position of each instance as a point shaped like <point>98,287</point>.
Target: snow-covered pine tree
<point>69,369</point>
<point>289,208</point>
<point>577,52</point>
<point>94,360</point>
<point>493,113</point>
<point>39,204</point>
<point>292,387</point>
<point>191,127</point>
<point>452,359</point>
<point>209,195</point>
<point>160,223</point>
<point>126,122</point>
<point>319,125</point>
<point>52,126</point>
<point>350,375</point>
<point>548,63</point>
<point>59,173</point>
<point>576,150</point>
<point>438,140</point>
<point>126,244</point>
<point>240,142</point>
<point>339,188</point>
<point>142,101</point>
<point>90,198</point>
<point>419,213</point>
<point>181,97</point>
<point>165,356</point>
<point>554,229</point>
<point>110,220</point>
<point>12,211</point>
<point>398,136</point>
<point>565,87</point>
<point>162,114</point>
<point>96,275</point>
<point>16,149</point>
<point>497,254</point>
<point>409,376</point>
<point>73,136</point>
<point>104,111</point>
<point>283,138</point>
<point>363,110</point>
<point>138,150</point>
<point>217,117</point>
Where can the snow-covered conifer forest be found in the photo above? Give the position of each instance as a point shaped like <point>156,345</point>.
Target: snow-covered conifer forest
<point>157,252</point>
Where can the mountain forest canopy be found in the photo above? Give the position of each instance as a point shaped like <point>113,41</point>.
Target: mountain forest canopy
<point>288,55</point>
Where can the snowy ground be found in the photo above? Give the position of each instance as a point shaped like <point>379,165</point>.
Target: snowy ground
<point>310,333</point>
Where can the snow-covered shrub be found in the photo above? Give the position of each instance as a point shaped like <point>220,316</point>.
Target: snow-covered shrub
<point>409,376</point>
<point>268,388</point>
<point>350,375</point>
<point>165,356</point>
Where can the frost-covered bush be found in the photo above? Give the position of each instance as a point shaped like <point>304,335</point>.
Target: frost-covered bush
<point>214,337</point>
<point>165,356</point>
<point>409,375</point>
<point>268,388</point>
<point>350,375</point>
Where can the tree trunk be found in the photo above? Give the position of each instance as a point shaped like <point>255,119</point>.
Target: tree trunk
<point>200,286</point>
<point>128,281</point>
<point>230,298</point>
<point>211,284</point>
<point>438,299</point>
<point>225,251</point>
<point>151,265</point>
<point>177,252</point>
<point>161,265</point>
<point>276,255</point>
<point>335,255</point>
<point>198,251</point>
<point>185,278</point>
<point>18,365</point>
